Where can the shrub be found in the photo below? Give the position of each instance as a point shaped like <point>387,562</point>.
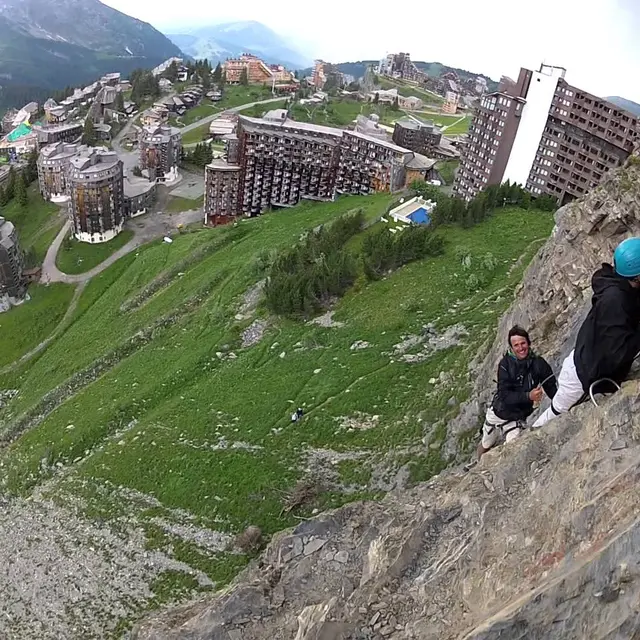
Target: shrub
<point>383,251</point>
<point>303,279</point>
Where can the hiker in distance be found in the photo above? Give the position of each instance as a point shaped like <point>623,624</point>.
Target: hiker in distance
<point>609,338</point>
<point>522,376</point>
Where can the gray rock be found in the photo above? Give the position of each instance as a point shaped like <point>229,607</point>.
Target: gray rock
<point>313,546</point>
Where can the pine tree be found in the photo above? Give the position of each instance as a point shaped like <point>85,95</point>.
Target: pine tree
<point>4,200</point>
<point>119,104</point>
<point>10,189</point>
<point>21,191</point>
<point>172,72</point>
<point>217,74</point>
<point>31,171</point>
<point>223,79</point>
<point>244,78</point>
<point>89,133</point>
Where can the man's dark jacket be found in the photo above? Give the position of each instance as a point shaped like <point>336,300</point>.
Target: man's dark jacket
<point>609,338</point>
<point>516,379</point>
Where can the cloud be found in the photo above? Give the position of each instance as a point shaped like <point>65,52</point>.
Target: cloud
<point>594,39</point>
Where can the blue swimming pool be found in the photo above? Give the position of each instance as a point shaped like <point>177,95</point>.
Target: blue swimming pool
<point>420,216</point>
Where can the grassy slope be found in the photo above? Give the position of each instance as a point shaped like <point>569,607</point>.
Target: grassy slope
<point>206,108</point>
<point>447,169</point>
<point>24,327</point>
<point>457,127</point>
<point>176,399</point>
<point>176,204</point>
<point>37,223</point>
<point>233,96</point>
<point>342,113</point>
<point>80,257</point>
<point>258,110</point>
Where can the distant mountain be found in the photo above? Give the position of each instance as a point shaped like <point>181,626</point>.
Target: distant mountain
<point>221,41</point>
<point>623,103</point>
<point>434,69</point>
<point>51,44</point>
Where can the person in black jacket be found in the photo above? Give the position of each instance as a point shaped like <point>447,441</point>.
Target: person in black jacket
<point>522,376</point>
<point>609,338</point>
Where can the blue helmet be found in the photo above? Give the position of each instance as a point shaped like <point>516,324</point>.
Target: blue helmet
<point>626,258</point>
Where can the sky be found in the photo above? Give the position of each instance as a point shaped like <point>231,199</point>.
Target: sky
<point>595,40</point>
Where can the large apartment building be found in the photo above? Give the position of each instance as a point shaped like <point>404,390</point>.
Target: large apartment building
<point>49,134</point>
<point>399,65</point>
<point>160,151</point>
<point>54,162</point>
<point>97,194</point>
<point>277,164</point>
<point>546,135</point>
<point>421,136</point>
<point>258,71</point>
<point>368,165</point>
<point>12,281</point>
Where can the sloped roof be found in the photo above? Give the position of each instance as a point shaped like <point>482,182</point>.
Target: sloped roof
<point>418,162</point>
<point>19,132</point>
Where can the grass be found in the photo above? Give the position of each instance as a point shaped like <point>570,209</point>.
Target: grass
<point>341,113</point>
<point>458,126</point>
<point>79,257</point>
<point>37,223</point>
<point>258,110</point>
<point>206,108</point>
<point>446,169</point>
<point>198,134</point>
<point>157,418</point>
<point>24,327</point>
<point>176,204</point>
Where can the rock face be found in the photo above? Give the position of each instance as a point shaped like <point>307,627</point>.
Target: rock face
<point>538,541</point>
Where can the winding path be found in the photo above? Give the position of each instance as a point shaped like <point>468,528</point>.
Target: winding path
<point>51,273</point>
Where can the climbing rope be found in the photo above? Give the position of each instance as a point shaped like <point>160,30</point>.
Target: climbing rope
<point>613,382</point>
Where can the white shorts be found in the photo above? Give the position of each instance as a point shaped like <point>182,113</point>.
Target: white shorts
<point>495,428</point>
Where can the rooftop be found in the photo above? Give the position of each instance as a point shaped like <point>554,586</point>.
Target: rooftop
<point>292,125</point>
<point>54,128</point>
<point>19,132</point>
<point>137,186</point>
<point>6,232</point>
<point>415,123</point>
<point>377,141</point>
<point>94,159</point>
<point>161,132</point>
<point>418,161</point>
<point>60,150</point>
<point>222,165</point>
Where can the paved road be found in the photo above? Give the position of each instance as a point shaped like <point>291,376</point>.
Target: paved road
<point>242,107</point>
<point>145,228</point>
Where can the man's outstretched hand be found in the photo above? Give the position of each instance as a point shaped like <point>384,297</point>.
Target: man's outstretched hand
<point>536,395</point>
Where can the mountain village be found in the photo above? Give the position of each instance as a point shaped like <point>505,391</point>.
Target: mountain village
<point>103,160</point>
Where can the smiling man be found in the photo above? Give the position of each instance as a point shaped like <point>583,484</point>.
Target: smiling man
<point>522,377</point>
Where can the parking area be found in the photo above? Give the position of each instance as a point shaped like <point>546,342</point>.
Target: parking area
<point>191,187</point>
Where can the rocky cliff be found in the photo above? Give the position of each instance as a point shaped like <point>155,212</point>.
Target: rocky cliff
<point>538,541</point>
